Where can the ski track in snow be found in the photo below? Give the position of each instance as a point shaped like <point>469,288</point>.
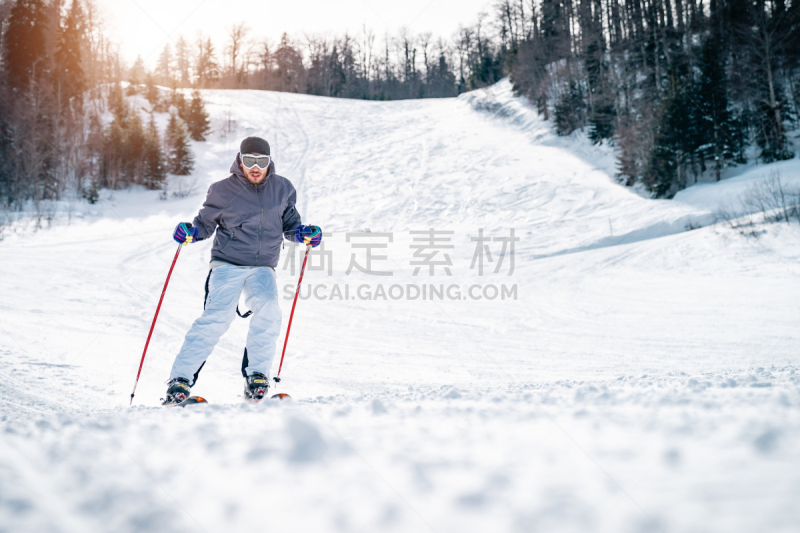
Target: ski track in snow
<point>645,379</point>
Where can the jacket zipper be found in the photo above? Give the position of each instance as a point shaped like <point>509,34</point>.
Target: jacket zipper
<point>260,223</point>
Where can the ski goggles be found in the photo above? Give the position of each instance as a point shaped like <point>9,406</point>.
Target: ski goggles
<point>249,161</point>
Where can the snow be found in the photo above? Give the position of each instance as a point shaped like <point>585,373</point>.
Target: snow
<point>726,194</point>
<point>644,379</point>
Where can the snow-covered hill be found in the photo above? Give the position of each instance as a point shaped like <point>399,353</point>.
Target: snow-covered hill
<point>644,378</point>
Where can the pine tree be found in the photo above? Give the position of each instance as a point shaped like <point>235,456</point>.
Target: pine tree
<point>289,66</point>
<point>197,117</point>
<point>178,101</point>
<point>96,140</point>
<point>769,132</point>
<point>717,129</point>
<point>136,75</point>
<point>7,166</point>
<point>133,149</point>
<point>114,148</point>
<point>182,56</point>
<point>628,147</point>
<point>164,69</point>
<point>206,69</point>
<point>601,121</point>
<point>155,169</point>
<point>116,101</point>
<point>70,76</point>
<point>673,144</point>
<point>112,154</point>
<point>180,160</point>
<point>570,111</point>
<point>95,148</point>
<point>151,91</point>
<point>767,35</point>
<point>26,50</point>
<point>602,114</point>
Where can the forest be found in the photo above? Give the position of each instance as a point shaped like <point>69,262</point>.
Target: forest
<point>680,88</point>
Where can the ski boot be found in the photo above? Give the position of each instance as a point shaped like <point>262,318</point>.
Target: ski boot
<point>255,387</point>
<point>177,391</point>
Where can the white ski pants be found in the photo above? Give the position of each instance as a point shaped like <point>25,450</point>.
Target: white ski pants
<point>225,284</point>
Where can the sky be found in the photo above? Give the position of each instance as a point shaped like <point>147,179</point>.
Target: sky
<point>142,27</point>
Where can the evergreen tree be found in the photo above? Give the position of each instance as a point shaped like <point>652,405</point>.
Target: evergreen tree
<point>206,69</point>
<point>570,111</point>
<point>164,68</point>
<point>182,60</point>
<point>289,66</point>
<point>115,149</point>
<point>602,114</point>
<point>155,170</point>
<point>628,145</point>
<point>489,70</point>
<point>96,141</point>
<point>180,160</point>
<point>178,102</point>
<point>197,117</point>
<point>91,193</point>
<point>7,166</point>
<point>136,75</point>
<point>151,92</point>
<point>116,102</point>
<point>555,31</point>
<point>133,149</point>
<point>770,133</point>
<point>673,144</point>
<point>26,49</point>
<point>70,76</point>
<point>124,149</point>
<point>768,33</point>
<point>601,121</point>
<point>717,130</point>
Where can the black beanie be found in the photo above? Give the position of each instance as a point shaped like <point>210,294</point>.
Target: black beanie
<point>254,145</point>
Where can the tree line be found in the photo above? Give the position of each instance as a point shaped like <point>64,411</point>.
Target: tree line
<point>682,88</point>
<point>349,66</point>
<point>65,123</point>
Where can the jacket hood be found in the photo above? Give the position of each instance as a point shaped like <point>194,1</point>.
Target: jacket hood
<point>236,170</point>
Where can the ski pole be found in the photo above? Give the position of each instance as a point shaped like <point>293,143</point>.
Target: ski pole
<point>291,315</point>
<point>153,325</point>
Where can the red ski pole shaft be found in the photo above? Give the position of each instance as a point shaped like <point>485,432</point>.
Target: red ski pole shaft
<point>153,325</point>
<point>291,315</point>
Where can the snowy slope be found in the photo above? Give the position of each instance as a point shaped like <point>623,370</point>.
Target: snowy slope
<point>644,379</point>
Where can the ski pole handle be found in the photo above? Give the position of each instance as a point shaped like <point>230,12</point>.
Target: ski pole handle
<point>153,325</point>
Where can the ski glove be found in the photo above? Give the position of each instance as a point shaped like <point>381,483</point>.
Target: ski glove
<point>185,233</point>
<point>308,235</point>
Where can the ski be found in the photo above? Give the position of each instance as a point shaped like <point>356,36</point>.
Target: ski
<point>191,400</point>
<point>278,396</point>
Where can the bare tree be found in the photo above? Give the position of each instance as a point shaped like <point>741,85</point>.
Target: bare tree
<point>425,43</point>
<point>237,35</point>
<point>366,54</point>
<point>766,35</point>
<point>183,61</point>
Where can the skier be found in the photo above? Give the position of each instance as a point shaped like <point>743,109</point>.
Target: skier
<point>250,211</point>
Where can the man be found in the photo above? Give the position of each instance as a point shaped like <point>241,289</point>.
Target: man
<point>250,212</point>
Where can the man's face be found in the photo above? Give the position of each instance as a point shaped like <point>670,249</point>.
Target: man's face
<point>254,175</point>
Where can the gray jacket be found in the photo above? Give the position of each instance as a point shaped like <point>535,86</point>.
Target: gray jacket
<point>249,219</point>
